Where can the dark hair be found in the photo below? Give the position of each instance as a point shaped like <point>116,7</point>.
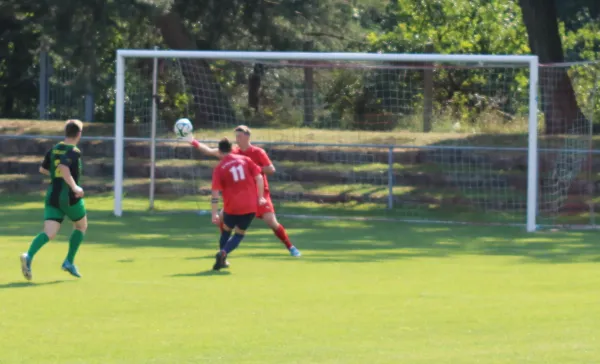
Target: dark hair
<point>225,146</point>
<point>71,130</point>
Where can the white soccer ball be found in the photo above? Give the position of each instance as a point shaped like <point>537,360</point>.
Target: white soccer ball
<point>183,127</point>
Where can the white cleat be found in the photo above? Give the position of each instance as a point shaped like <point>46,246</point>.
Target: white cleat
<point>26,266</point>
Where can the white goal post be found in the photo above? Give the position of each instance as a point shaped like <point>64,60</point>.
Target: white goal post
<point>501,60</point>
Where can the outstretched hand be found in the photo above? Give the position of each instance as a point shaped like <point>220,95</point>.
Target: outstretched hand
<point>188,138</point>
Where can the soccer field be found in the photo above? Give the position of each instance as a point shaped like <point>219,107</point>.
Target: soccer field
<point>364,292</point>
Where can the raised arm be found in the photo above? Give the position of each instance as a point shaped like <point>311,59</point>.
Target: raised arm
<point>205,149</point>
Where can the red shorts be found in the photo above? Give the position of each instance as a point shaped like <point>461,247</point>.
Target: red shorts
<point>266,208</point>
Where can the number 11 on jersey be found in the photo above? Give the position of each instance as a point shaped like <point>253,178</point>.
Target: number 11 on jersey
<point>238,173</point>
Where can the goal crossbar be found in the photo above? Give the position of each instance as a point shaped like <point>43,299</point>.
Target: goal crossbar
<point>326,56</point>
<point>526,60</point>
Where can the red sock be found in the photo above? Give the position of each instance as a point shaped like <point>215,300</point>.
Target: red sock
<point>283,236</point>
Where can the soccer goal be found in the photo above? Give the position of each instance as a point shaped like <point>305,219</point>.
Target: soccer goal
<point>413,137</point>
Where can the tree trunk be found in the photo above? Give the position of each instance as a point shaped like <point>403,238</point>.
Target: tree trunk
<point>9,103</point>
<point>557,95</point>
<point>213,107</point>
<point>254,86</point>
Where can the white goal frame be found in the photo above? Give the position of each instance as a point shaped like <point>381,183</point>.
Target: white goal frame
<point>531,61</point>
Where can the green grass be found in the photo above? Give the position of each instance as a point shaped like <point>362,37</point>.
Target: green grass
<point>307,135</point>
<point>493,136</point>
<point>364,292</point>
<point>370,189</point>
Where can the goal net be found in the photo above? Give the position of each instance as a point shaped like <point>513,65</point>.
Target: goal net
<point>403,137</point>
<point>567,114</point>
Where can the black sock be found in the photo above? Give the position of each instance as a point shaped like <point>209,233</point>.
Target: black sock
<point>233,243</point>
<point>224,238</point>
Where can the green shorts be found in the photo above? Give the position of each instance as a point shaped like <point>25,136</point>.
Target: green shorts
<point>74,212</point>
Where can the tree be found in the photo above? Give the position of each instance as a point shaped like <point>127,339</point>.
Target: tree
<point>247,25</point>
<point>569,12</point>
<point>19,32</point>
<point>559,103</point>
<point>456,26</point>
<point>211,104</point>
<point>83,37</point>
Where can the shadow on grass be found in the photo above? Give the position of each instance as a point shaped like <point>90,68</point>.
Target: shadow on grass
<point>321,241</point>
<point>30,284</point>
<point>207,273</point>
<point>125,260</point>
<point>203,257</point>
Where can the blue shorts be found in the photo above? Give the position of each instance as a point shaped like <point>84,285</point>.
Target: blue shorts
<point>241,221</point>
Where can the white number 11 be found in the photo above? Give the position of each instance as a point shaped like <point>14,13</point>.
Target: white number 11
<point>238,173</point>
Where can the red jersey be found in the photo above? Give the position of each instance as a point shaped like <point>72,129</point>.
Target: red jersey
<point>258,156</point>
<point>235,177</point>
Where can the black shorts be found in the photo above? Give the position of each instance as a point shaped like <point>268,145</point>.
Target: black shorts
<point>241,221</point>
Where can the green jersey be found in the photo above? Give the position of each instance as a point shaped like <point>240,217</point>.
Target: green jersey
<point>59,193</point>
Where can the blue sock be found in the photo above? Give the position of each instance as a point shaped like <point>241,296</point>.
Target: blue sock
<point>224,237</point>
<point>233,243</point>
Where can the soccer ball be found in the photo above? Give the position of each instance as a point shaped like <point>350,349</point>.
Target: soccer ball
<point>183,127</point>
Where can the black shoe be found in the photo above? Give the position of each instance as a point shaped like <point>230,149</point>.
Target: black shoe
<point>220,260</point>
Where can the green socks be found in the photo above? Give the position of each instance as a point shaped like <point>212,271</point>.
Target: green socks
<point>74,243</point>
<point>40,240</point>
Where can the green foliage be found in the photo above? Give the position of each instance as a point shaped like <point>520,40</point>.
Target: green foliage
<point>268,25</point>
<point>82,38</point>
<point>453,26</point>
<point>20,31</point>
<point>570,12</point>
<point>449,26</point>
<point>582,43</point>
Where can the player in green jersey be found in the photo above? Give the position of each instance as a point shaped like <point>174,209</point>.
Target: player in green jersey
<point>64,197</point>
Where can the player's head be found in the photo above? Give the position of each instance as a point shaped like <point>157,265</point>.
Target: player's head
<point>225,146</point>
<point>73,129</point>
<point>242,136</point>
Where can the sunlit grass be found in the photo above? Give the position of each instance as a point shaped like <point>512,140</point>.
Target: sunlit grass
<point>364,292</point>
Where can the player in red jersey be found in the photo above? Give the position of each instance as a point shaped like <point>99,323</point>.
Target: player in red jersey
<point>258,155</point>
<point>241,184</point>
